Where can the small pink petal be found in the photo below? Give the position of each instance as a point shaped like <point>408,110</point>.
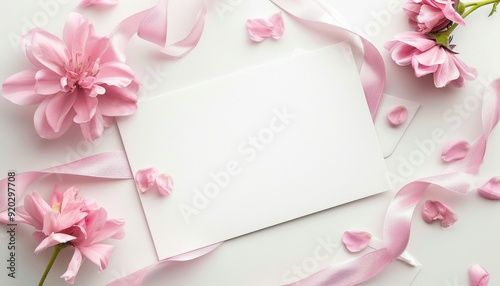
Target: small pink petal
<point>278,25</point>
<point>165,184</point>
<point>397,115</point>
<point>146,178</point>
<point>355,240</point>
<point>434,210</point>
<point>490,190</point>
<point>455,151</point>
<point>97,3</point>
<point>478,275</point>
<point>259,29</point>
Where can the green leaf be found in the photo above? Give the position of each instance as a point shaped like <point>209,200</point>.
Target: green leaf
<point>493,9</point>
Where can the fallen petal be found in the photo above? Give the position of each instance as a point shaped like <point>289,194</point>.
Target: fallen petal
<point>278,25</point>
<point>434,210</point>
<point>397,115</point>
<point>455,151</point>
<point>145,179</point>
<point>259,29</point>
<point>478,275</point>
<point>165,184</point>
<point>490,190</point>
<point>355,240</point>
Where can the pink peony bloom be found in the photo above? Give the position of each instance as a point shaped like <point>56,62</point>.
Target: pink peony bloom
<point>77,79</point>
<point>428,57</point>
<point>432,15</point>
<point>75,221</point>
<point>98,3</point>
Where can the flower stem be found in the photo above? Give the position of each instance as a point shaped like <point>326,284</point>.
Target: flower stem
<point>475,5</point>
<point>55,252</point>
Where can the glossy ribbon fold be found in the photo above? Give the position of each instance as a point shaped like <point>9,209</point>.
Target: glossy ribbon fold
<point>397,225</point>
<point>372,71</point>
<point>152,25</point>
<point>112,165</point>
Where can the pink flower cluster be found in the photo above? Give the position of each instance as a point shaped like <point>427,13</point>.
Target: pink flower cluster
<point>70,219</point>
<point>428,49</point>
<point>77,79</point>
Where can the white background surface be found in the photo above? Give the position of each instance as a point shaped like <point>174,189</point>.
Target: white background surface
<point>265,257</point>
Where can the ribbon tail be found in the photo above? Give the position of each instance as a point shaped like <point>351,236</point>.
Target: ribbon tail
<point>372,73</point>
<point>137,278</point>
<point>112,165</point>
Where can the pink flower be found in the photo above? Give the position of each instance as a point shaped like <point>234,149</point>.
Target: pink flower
<point>426,56</point>
<point>261,29</point>
<point>434,210</point>
<point>77,79</point>
<point>70,219</point>
<point>100,3</point>
<point>432,15</point>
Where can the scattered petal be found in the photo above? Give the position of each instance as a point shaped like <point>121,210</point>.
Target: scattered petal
<point>478,275</point>
<point>490,190</point>
<point>434,210</point>
<point>97,3</point>
<point>455,151</point>
<point>261,29</point>
<point>145,179</point>
<point>165,184</point>
<point>397,115</point>
<point>355,240</point>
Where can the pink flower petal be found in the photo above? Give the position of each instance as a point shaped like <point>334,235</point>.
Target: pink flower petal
<point>397,115</point>
<point>455,151</point>
<point>259,29</point>
<point>50,51</point>
<point>116,74</point>
<point>73,267</point>
<point>58,108</point>
<point>53,239</point>
<point>98,3</point>
<point>434,210</point>
<point>119,101</point>
<point>93,129</point>
<point>98,254</point>
<point>490,190</point>
<point>85,107</point>
<point>165,184</point>
<point>43,127</point>
<point>356,241</point>
<point>278,25</point>
<point>478,275</point>
<point>20,88</point>
<point>47,82</point>
<point>145,179</point>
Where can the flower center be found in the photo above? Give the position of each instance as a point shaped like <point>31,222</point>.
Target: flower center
<point>80,73</point>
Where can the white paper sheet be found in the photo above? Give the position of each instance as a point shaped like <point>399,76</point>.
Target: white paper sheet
<point>255,149</point>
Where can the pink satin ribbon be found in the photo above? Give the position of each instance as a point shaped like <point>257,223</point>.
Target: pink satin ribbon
<point>113,165</point>
<point>397,225</point>
<point>372,71</point>
<point>137,278</point>
<point>151,25</point>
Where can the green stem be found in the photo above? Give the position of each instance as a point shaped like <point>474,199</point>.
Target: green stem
<point>475,5</point>
<point>55,252</point>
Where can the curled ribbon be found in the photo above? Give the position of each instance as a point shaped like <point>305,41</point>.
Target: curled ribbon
<point>151,25</point>
<point>397,225</point>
